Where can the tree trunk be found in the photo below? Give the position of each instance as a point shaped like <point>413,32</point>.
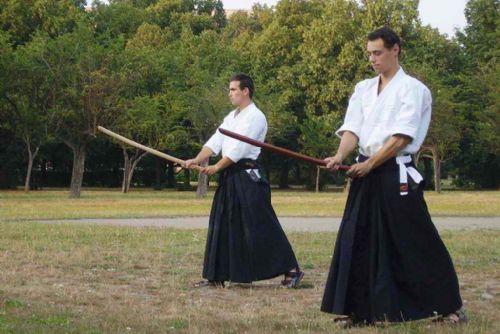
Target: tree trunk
<point>297,174</point>
<point>132,169</point>
<point>129,167</point>
<point>202,189</point>
<point>437,169</point>
<point>187,178</point>
<point>436,164</point>
<point>428,174</point>
<point>31,158</point>
<point>170,175</point>
<point>285,166</point>
<point>159,171</point>
<point>43,181</point>
<point>317,178</point>
<point>28,174</point>
<point>126,168</point>
<point>416,158</point>
<point>79,153</point>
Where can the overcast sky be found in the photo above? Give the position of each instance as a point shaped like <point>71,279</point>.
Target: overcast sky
<point>446,15</point>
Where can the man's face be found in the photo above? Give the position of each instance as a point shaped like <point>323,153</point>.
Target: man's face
<point>381,58</point>
<point>236,95</point>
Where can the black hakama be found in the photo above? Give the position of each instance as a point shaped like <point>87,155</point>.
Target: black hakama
<point>245,240</point>
<point>389,263</point>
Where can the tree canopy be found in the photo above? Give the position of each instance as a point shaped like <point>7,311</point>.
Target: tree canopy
<point>157,71</point>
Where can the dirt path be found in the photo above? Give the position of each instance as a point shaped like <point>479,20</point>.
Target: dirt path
<point>301,224</point>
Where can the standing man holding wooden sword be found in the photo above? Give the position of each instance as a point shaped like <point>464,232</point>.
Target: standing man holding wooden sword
<point>245,241</point>
<point>389,262</point>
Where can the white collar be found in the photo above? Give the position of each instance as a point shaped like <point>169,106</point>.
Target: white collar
<point>236,113</point>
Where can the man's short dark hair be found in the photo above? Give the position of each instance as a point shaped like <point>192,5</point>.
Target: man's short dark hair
<point>245,82</point>
<point>388,35</point>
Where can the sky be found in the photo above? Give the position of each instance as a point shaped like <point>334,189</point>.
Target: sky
<point>446,15</point>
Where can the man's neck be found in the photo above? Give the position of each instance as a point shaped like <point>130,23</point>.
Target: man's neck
<point>387,76</point>
<point>243,106</point>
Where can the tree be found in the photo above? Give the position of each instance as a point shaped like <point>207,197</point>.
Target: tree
<point>165,13</point>
<point>479,160</point>
<point>151,93</point>
<point>84,83</point>
<point>53,17</point>
<point>275,60</point>
<point>332,61</point>
<point>137,119</point>
<point>6,133</point>
<point>149,35</point>
<point>119,19</point>
<point>438,62</point>
<point>30,97</point>
<point>481,33</point>
<point>318,139</point>
<point>139,110</point>
<point>201,93</point>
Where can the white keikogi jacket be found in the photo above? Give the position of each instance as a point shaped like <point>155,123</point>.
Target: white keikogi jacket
<point>249,122</point>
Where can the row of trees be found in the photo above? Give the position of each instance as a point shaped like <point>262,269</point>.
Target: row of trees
<point>157,70</point>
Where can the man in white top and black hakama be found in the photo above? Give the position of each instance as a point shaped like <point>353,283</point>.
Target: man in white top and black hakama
<point>245,241</point>
<point>389,263</point>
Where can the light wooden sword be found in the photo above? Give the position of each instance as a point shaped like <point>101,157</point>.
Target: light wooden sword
<point>145,148</point>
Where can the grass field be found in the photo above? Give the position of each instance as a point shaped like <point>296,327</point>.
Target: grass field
<point>16,205</point>
<point>101,279</point>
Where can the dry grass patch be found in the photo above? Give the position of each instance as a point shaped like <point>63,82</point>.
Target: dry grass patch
<point>102,279</point>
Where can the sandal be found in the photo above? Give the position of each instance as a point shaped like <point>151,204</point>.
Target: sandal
<point>292,279</point>
<point>457,317</point>
<point>206,283</point>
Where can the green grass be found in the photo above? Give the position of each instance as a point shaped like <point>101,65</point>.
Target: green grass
<point>17,205</point>
<point>102,279</point>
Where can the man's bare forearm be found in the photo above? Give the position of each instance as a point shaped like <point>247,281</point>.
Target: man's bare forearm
<point>391,148</point>
<point>348,143</point>
<point>224,163</point>
<point>204,154</point>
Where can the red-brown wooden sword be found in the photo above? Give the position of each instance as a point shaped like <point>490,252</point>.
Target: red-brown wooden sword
<point>277,149</point>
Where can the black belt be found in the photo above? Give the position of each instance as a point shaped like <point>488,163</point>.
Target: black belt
<point>246,164</point>
<point>387,166</point>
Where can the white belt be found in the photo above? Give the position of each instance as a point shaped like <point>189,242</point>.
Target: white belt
<point>403,174</point>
